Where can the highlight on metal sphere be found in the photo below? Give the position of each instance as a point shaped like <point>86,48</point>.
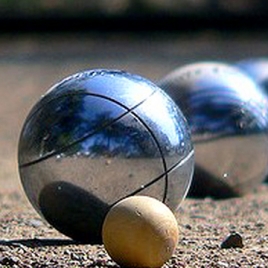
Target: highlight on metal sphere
<point>256,68</point>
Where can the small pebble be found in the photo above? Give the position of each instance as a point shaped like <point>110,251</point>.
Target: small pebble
<point>222,264</point>
<point>35,223</point>
<point>8,261</point>
<point>234,240</point>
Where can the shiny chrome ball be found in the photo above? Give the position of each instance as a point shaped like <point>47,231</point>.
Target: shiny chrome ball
<point>97,137</point>
<point>228,117</point>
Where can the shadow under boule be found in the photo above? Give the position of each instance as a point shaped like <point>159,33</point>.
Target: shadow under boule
<point>73,211</point>
<point>206,185</point>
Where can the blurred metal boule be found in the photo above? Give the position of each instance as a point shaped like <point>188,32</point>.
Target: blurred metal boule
<point>227,113</point>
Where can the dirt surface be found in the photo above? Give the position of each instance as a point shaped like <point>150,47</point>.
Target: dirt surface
<point>28,241</point>
<point>29,65</point>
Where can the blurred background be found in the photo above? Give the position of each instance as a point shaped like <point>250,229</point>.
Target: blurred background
<point>124,7</point>
<point>128,7</point>
<point>43,41</point>
<point>111,14</point>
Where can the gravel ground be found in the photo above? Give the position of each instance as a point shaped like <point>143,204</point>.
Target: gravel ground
<point>28,241</point>
<point>30,65</point>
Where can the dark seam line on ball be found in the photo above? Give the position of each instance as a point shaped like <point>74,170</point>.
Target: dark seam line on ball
<point>79,92</point>
<point>159,177</point>
<point>46,102</point>
<point>161,154</point>
<point>47,156</point>
<point>129,110</point>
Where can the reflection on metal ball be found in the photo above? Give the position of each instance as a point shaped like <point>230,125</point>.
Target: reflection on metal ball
<point>97,137</point>
<point>256,68</point>
<point>227,114</point>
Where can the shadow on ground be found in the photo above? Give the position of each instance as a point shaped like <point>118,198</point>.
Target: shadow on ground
<point>35,243</point>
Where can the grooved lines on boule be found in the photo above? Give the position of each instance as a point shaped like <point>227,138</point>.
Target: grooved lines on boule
<point>86,136</point>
